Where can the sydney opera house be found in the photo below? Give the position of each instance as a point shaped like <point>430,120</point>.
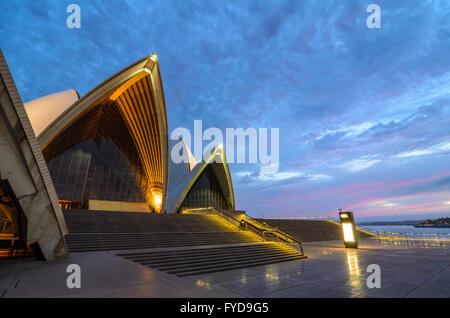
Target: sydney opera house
<point>108,150</point>
<point>96,182</point>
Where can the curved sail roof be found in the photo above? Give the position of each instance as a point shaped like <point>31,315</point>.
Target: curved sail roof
<point>44,110</point>
<point>179,173</point>
<point>138,92</point>
<point>182,179</point>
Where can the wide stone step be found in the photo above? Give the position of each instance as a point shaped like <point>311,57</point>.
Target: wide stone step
<point>238,265</point>
<point>206,260</point>
<point>134,246</point>
<point>123,241</point>
<point>186,254</point>
<point>181,245</point>
<point>214,261</point>
<point>195,258</point>
<point>81,221</point>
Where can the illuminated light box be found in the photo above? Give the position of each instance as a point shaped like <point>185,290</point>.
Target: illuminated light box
<point>348,229</point>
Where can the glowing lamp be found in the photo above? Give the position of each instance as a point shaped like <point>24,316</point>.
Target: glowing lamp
<point>348,229</point>
<point>157,199</point>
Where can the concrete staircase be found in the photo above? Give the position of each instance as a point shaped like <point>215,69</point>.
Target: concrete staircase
<point>195,261</point>
<point>126,241</point>
<point>85,221</point>
<point>100,231</point>
<point>179,244</point>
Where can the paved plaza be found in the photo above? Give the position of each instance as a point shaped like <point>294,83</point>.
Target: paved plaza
<point>407,270</point>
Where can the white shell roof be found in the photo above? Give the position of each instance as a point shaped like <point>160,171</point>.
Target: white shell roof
<point>44,110</point>
<point>181,177</point>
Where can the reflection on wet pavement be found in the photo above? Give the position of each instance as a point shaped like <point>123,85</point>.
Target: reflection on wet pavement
<point>334,271</point>
<point>407,270</point>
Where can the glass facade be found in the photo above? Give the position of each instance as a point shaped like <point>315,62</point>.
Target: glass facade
<point>96,158</point>
<point>206,192</point>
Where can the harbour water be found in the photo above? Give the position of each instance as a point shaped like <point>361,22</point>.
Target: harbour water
<point>407,229</point>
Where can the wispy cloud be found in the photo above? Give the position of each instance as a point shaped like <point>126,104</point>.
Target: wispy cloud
<point>281,176</point>
<point>442,147</point>
<point>383,203</point>
<point>360,164</point>
<point>360,107</point>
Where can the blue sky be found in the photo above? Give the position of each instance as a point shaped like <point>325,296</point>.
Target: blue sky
<point>363,113</point>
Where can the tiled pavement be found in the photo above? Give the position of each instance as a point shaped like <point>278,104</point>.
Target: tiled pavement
<point>329,271</point>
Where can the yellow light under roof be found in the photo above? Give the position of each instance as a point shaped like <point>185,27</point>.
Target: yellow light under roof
<point>157,197</point>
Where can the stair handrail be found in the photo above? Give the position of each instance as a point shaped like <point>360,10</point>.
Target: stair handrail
<point>254,226</point>
<point>211,210</point>
<point>287,237</point>
<point>261,230</point>
<point>307,218</point>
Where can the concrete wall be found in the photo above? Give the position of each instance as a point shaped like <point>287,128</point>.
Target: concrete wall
<point>101,205</point>
<point>22,164</point>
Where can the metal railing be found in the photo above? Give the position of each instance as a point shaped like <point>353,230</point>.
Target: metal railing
<point>410,239</point>
<point>308,218</point>
<point>271,229</point>
<point>413,239</point>
<point>262,230</point>
<point>270,233</point>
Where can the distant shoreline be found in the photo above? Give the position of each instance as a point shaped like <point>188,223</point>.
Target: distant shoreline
<point>436,223</point>
<point>387,223</point>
